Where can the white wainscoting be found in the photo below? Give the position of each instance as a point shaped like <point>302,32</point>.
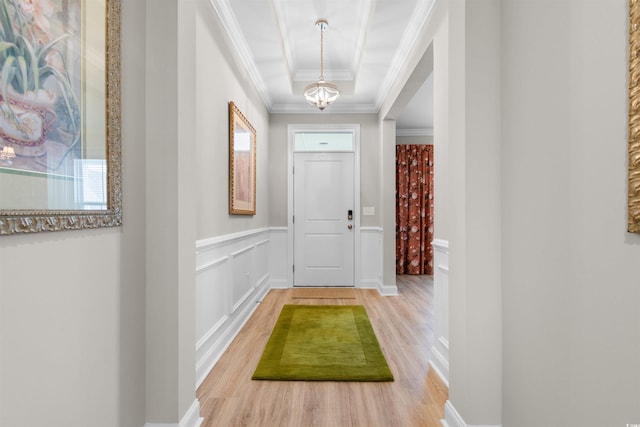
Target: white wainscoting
<point>233,274</point>
<point>440,350</point>
<point>370,258</point>
<point>278,261</point>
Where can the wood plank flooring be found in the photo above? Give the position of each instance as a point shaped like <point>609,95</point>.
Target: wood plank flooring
<point>403,325</point>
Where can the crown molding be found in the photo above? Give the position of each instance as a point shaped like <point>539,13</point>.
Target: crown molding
<point>232,28</point>
<point>418,20</point>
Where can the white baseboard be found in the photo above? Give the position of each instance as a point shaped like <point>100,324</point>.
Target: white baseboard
<point>439,360</point>
<point>453,419</point>
<point>190,419</point>
<point>388,290</point>
<point>369,284</point>
<point>439,366</point>
<point>279,284</point>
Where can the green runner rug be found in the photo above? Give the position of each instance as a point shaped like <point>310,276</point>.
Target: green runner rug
<point>323,343</point>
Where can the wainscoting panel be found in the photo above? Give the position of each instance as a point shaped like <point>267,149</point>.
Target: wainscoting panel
<point>371,258</point>
<point>212,298</point>
<point>232,276</point>
<point>440,350</point>
<point>278,261</point>
<point>241,272</point>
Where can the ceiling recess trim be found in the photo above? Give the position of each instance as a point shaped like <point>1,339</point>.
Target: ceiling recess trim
<point>336,108</point>
<point>280,12</point>
<point>230,24</point>
<point>418,20</point>
<point>414,132</point>
<point>365,14</point>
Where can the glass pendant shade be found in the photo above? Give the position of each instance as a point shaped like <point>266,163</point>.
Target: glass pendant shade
<point>321,93</point>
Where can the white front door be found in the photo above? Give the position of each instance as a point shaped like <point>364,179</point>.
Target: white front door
<point>323,219</point>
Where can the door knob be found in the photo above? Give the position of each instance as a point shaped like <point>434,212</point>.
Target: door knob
<point>349,226</point>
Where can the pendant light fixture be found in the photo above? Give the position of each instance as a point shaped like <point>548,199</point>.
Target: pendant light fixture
<point>321,93</point>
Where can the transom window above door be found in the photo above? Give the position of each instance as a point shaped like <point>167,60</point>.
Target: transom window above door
<point>323,141</point>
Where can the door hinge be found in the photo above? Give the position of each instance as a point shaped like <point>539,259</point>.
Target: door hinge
<point>294,219</point>
<point>294,268</point>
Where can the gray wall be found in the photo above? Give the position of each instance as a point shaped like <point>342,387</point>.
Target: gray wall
<point>418,140</point>
<point>218,82</point>
<point>72,303</point>
<point>369,158</point>
<point>571,286</point>
<point>558,327</point>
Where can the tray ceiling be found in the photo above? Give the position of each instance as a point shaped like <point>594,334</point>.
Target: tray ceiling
<point>365,47</point>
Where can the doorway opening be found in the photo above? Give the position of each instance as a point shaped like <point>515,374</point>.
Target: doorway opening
<point>324,205</point>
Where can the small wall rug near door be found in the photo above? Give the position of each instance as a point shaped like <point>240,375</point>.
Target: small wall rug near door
<point>323,343</point>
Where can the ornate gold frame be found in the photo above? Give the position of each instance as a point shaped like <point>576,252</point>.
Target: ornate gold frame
<point>29,221</point>
<point>242,169</point>
<point>633,225</point>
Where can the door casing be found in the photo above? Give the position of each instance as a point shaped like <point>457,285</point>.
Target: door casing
<point>291,130</point>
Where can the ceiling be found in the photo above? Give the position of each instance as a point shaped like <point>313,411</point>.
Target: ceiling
<point>365,47</point>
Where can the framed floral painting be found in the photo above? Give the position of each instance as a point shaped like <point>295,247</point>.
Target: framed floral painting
<point>59,115</point>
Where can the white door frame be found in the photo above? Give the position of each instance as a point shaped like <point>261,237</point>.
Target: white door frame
<point>291,130</point>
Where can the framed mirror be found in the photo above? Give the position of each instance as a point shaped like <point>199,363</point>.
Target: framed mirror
<point>59,115</point>
<point>242,163</point>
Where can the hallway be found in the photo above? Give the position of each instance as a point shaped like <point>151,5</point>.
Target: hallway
<point>403,325</point>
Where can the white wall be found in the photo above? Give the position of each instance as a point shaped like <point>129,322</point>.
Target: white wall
<point>72,303</point>
<point>571,286</point>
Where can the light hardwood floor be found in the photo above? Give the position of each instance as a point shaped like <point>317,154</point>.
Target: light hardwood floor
<point>403,325</point>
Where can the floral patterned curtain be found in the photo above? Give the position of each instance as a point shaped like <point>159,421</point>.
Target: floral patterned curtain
<point>414,209</point>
